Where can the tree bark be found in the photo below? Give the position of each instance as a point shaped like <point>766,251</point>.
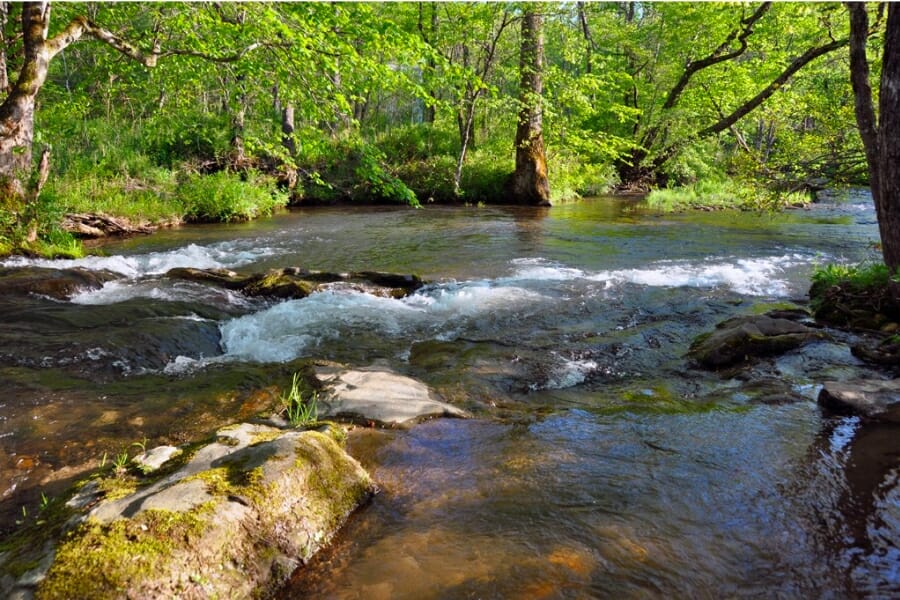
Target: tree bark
<point>529,184</point>
<point>881,134</point>
<point>889,142</point>
<point>287,129</point>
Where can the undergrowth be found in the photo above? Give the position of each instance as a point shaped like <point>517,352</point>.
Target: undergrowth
<point>722,194</point>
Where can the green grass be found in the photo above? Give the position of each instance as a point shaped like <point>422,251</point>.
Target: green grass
<point>722,194</point>
<point>297,411</point>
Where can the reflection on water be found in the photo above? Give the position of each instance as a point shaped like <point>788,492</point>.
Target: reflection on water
<point>600,465</point>
<point>581,505</point>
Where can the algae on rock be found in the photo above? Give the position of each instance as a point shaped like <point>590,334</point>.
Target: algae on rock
<point>234,521</point>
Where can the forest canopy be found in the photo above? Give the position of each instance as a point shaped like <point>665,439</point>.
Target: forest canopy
<point>140,103</point>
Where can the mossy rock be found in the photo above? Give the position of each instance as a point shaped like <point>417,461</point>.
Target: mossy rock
<point>233,522</point>
<point>742,338</point>
<point>296,283</point>
<point>849,305</point>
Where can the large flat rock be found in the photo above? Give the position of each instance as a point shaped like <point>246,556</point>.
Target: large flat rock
<point>873,399</point>
<point>380,395</point>
<point>233,521</point>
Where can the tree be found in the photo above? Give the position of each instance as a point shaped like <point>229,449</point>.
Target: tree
<point>528,184</point>
<point>17,110</point>
<point>880,134</point>
<point>690,72</point>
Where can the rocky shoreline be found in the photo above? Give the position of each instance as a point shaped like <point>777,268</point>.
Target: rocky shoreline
<point>233,517</point>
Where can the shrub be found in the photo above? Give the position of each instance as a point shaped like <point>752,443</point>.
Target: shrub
<point>226,196</point>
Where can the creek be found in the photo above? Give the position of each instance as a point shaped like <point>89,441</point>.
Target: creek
<point>599,463</point>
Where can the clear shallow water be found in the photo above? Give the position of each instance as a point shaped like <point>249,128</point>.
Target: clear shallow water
<point>600,465</point>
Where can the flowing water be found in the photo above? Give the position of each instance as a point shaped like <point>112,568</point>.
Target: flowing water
<point>599,465</point>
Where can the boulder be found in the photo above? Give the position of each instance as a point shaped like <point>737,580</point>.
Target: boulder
<point>59,284</point>
<point>380,395</point>
<point>233,521</point>
<point>740,338</point>
<point>871,399</point>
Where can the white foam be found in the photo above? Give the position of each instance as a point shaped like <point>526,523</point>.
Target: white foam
<point>217,256</point>
<point>570,374</point>
<point>289,329</point>
<point>122,290</point>
<point>750,276</point>
<point>469,298</point>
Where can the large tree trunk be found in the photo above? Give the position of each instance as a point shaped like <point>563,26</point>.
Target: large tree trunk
<point>17,111</point>
<point>880,135</point>
<point>529,184</point>
<point>889,142</point>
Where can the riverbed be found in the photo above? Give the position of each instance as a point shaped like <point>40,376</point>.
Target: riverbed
<point>599,464</point>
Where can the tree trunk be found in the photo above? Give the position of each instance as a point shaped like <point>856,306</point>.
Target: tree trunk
<point>287,129</point>
<point>888,206</point>
<point>17,111</point>
<point>529,184</point>
<point>880,136</point>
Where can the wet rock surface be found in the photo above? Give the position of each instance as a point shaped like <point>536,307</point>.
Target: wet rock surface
<point>379,395</point>
<point>59,284</point>
<point>872,399</point>
<point>294,282</point>
<point>234,520</point>
<point>741,338</point>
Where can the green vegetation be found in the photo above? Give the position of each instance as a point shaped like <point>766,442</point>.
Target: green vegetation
<point>718,194</point>
<point>225,112</point>
<point>297,411</point>
<point>862,296</point>
<point>859,277</point>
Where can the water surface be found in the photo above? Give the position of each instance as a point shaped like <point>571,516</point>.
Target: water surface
<point>599,465</point>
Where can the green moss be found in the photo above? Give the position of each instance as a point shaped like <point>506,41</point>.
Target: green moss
<point>232,479</point>
<point>100,559</point>
<point>767,307</point>
<point>114,488</point>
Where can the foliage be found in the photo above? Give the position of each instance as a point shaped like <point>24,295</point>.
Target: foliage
<point>858,277</point>
<point>297,411</point>
<point>227,196</point>
<point>380,95</point>
<point>718,194</point>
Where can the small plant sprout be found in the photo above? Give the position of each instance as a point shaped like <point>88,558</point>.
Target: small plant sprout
<point>142,445</point>
<point>120,464</point>
<point>297,411</point>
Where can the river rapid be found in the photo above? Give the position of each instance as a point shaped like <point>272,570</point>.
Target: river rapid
<point>599,464</point>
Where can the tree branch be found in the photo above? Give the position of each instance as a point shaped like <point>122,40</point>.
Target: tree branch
<point>797,64</point>
<point>81,26</point>
<point>718,55</point>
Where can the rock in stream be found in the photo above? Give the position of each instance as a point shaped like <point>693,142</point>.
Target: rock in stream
<point>234,521</point>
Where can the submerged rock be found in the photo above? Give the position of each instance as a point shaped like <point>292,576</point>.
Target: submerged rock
<point>740,338</point>
<point>234,521</point>
<point>59,284</point>
<point>379,395</point>
<point>294,282</point>
<point>872,399</point>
